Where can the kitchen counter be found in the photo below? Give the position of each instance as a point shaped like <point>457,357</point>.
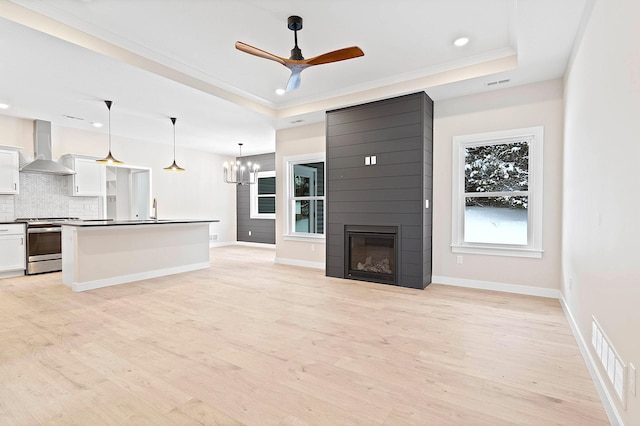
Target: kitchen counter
<point>94,223</point>
<point>98,254</point>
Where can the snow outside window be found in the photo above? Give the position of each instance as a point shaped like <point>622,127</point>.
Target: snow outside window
<point>305,188</point>
<point>497,193</point>
<point>263,196</point>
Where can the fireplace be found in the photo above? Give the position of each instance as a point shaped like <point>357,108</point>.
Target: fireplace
<point>371,253</point>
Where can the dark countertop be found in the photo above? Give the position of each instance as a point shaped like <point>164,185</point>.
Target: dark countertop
<point>13,222</point>
<point>88,223</point>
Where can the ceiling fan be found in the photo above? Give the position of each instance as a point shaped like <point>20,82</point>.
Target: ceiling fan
<point>296,63</point>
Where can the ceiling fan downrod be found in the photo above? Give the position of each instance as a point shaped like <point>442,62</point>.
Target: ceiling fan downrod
<point>294,23</point>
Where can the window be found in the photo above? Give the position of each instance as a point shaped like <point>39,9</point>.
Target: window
<point>263,196</point>
<point>305,197</point>
<point>497,193</point>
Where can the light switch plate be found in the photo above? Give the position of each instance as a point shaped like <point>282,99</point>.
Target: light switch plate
<point>367,161</point>
<point>374,159</point>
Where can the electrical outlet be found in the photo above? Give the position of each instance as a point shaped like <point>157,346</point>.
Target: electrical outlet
<point>632,379</point>
<point>459,260</point>
<point>249,233</point>
<point>213,237</point>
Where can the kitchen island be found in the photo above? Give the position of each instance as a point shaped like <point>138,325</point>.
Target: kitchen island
<point>98,254</point>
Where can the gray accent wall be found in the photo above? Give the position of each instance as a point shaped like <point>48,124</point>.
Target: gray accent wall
<point>399,132</point>
<point>262,230</point>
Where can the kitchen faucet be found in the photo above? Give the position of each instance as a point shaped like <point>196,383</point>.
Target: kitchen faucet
<point>155,210</point>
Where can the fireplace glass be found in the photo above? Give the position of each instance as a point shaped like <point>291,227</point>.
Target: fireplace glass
<point>371,254</point>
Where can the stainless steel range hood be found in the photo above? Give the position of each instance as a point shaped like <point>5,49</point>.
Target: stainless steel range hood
<point>42,152</point>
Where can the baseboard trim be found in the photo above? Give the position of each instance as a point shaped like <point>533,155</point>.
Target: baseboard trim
<point>303,263</point>
<point>488,285</point>
<point>250,244</point>
<point>11,274</point>
<point>605,396</point>
<point>222,244</point>
<point>137,276</point>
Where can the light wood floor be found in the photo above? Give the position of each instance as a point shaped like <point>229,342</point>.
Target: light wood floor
<point>251,342</point>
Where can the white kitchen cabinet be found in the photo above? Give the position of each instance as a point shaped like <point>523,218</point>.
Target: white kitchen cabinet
<point>9,169</point>
<point>12,250</point>
<point>89,180</point>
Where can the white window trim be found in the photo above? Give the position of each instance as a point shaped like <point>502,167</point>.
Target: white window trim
<point>288,162</point>
<point>253,191</point>
<point>535,136</point>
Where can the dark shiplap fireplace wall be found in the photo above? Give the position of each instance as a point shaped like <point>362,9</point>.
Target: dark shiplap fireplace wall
<point>397,135</point>
<point>262,230</point>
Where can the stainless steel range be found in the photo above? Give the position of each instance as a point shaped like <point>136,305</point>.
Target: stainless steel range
<point>44,244</point>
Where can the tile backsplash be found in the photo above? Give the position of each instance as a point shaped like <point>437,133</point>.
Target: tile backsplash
<point>43,195</point>
<point>6,208</point>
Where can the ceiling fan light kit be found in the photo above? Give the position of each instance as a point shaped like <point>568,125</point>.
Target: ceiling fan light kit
<point>296,62</point>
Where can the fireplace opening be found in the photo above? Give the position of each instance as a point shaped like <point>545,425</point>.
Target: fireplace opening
<point>371,253</point>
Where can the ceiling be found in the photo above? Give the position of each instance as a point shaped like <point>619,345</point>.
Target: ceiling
<point>157,59</point>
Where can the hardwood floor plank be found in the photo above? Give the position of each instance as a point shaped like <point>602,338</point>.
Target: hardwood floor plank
<point>251,342</point>
<point>197,412</point>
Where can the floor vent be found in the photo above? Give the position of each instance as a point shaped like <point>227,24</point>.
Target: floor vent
<point>611,361</point>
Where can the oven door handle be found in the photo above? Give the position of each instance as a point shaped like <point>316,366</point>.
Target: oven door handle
<point>43,230</point>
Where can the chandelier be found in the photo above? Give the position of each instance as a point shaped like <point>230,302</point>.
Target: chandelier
<point>239,173</point>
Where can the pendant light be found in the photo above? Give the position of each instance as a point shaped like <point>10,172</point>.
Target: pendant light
<point>109,159</point>
<point>174,167</point>
<point>239,173</point>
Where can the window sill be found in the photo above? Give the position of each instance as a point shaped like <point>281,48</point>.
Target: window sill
<point>498,251</point>
<point>320,239</point>
<point>272,217</point>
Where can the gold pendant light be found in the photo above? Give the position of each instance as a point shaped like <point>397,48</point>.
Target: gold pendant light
<point>109,159</point>
<point>174,167</point>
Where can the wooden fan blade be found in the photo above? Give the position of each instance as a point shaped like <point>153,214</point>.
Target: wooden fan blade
<point>258,52</point>
<point>336,55</point>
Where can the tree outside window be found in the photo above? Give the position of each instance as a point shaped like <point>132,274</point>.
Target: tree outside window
<point>497,199</point>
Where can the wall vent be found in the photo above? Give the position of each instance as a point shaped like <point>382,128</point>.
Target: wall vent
<point>493,83</point>
<point>72,117</point>
<point>611,362</point>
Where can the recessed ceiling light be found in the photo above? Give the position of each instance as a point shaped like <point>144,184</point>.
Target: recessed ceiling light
<point>4,106</point>
<point>280,92</point>
<point>461,41</point>
<point>98,125</point>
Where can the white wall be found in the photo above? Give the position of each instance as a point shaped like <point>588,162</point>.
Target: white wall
<point>198,193</point>
<point>296,141</point>
<point>601,196</point>
<point>524,106</point>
